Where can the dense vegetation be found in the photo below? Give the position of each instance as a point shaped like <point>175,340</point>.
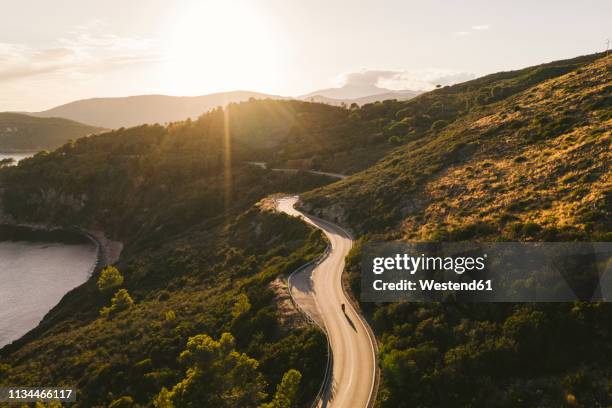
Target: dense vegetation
<point>483,148</point>
<point>181,288</point>
<point>200,262</point>
<point>534,165</point>
<point>29,133</point>
<point>520,155</point>
<point>146,182</point>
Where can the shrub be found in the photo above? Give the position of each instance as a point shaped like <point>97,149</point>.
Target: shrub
<point>520,159</point>
<point>439,124</point>
<point>286,390</point>
<point>217,374</point>
<point>110,278</point>
<point>241,306</point>
<point>421,121</point>
<point>395,140</point>
<point>163,399</point>
<point>121,301</point>
<point>397,128</point>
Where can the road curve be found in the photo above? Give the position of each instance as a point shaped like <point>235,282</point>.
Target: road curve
<point>352,345</point>
<point>264,165</point>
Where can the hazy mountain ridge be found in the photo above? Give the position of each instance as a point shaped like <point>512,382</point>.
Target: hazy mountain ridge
<point>359,94</point>
<point>130,111</point>
<point>398,95</point>
<point>116,112</point>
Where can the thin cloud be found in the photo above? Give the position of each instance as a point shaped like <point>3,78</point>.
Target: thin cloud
<point>419,80</point>
<point>481,27</point>
<point>461,33</point>
<point>81,52</point>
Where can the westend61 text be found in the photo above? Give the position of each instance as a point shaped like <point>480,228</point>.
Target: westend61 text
<point>432,285</point>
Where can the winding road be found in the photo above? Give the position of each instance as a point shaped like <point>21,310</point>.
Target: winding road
<point>263,165</point>
<point>319,293</point>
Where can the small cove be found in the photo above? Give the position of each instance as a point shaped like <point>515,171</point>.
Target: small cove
<point>36,270</point>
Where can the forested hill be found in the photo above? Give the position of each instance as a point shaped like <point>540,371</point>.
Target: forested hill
<point>198,314</point>
<point>536,154</point>
<point>159,179</point>
<point>531,165</point>
<point>520,155</point>
<point>25,132</point>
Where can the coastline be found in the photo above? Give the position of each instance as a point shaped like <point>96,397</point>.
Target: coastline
<point>108,251</point>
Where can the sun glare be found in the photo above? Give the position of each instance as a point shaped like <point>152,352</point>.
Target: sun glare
<point>220,46</point>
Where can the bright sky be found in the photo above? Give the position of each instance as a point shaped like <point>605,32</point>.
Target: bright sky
<point>53,52</point>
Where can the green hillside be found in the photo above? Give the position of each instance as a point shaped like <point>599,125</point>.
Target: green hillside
<point>533,166</point>
<point>29,133</point>
<point>515,156</point>
<point>533,156</point>
<point>182,200</point>
<point>181,288</point>
<point>200,260</point>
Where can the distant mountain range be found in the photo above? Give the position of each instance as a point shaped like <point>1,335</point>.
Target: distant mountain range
<point>19,132</point>
<point>399,95</point>
<point>51,128</point>
<point>129,111</point>
<point>137,110</point>
<point>359,94</point>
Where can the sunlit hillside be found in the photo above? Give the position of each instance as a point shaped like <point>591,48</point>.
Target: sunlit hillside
<point>520,155</point>
<point>24,132</point>
<point>533,166</point>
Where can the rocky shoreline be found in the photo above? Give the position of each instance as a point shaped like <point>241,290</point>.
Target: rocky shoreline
<point>109,251</point>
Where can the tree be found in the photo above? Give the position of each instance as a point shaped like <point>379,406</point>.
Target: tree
<point>286,390</point>
<point>439,124</point>
<point>121,301</point>
<point>241,306</point>
<point>110,278</point>
<point>163,399</point>
<point>397,128</point>
<point>217,376</point>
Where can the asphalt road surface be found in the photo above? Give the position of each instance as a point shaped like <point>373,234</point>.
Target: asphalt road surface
<point>354,357</point>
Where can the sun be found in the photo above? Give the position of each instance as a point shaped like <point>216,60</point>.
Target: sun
<point>220,45</point>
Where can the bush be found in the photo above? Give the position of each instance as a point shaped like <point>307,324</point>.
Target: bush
<point>110,278</point>
<point>439,124</point>
<point>395,140</point>
<point>286,391</point>
<point>217,374</point>
<point>241,306</point>
<point>121,301</point>
<point>397,128</point>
